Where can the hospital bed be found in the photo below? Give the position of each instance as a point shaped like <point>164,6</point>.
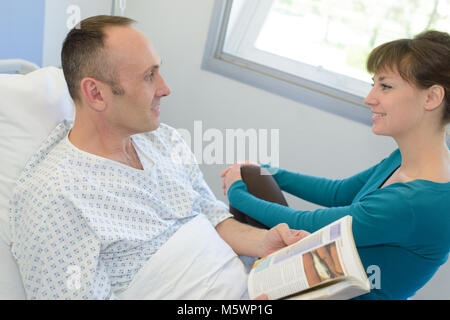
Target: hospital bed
<point>33,101</point>
<point>17,66</point>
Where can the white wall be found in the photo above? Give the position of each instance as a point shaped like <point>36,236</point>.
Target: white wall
<point>55,27</point>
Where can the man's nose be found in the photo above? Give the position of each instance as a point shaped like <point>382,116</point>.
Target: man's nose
<point>163,88</point>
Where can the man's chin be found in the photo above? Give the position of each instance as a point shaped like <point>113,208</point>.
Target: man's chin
<point>148,126</point>
<point>154,124</point>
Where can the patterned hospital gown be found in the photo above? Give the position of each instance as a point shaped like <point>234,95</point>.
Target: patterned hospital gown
<point>82,226</point>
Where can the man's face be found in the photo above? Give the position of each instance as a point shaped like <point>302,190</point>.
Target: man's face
<point>136,65</point>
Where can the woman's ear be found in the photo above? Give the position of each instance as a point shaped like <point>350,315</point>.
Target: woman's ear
<point>91,89</point>
<point>435,96</point>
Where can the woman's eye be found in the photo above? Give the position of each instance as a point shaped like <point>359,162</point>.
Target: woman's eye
<point>385,86</point>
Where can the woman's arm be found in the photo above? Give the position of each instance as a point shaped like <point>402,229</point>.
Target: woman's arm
<point>322,191</point>
<point>382,216</point>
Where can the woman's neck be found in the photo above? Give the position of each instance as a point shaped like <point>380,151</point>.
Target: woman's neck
<point>425,156</point>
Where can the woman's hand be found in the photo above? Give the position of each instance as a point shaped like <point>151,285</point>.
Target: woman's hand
<point>229,176</point>
<point>233,174</point>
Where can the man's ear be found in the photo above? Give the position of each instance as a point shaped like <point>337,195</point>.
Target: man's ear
<point>435,96</point>
<point>92,91</point>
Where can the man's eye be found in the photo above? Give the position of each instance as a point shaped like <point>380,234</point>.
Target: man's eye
<point>149,76</point>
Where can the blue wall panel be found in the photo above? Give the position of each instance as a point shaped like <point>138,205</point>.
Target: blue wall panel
<point>22,29</point>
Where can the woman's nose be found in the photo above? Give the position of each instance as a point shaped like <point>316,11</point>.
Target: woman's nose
<point>371,100</point>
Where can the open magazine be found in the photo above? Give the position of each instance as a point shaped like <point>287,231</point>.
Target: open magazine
<point>324,265</point>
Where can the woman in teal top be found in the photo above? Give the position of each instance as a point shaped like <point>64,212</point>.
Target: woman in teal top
<point>401,206</point>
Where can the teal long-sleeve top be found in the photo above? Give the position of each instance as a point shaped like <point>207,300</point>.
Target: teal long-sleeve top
<point>401,231</point>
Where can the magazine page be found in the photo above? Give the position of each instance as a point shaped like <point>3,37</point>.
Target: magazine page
<point>312,261</point>
<point>352,280</point>
<point>350,255</point>
<point>339,290</point>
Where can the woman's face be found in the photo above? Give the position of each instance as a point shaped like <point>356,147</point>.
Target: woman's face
<point>397,105</point>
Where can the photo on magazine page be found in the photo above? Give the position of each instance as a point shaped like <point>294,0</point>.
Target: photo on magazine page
<point>322,264</point>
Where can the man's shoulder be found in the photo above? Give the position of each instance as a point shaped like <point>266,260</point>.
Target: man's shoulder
<point>51,144</point>
<point>48,162</point>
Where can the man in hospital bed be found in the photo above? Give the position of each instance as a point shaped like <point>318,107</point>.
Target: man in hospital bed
<point>114,204</point>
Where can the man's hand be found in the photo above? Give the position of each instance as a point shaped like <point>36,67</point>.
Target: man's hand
<point>254,242</point>
<point>281,236</point>
<point>277,238</point>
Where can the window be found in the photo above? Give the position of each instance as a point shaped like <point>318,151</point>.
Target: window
<point>313,51</point>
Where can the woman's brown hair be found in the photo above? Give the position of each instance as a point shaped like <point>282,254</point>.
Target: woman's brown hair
<point>423,61</point>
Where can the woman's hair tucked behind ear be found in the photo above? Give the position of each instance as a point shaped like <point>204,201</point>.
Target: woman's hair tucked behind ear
<point>423,61</point>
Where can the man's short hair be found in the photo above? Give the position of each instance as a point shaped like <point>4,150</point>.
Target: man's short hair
<point>83,54</point>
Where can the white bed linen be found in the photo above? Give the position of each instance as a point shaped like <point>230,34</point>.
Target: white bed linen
<point>194,264</point>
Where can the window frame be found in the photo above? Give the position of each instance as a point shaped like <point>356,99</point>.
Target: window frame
<point>348,105</point>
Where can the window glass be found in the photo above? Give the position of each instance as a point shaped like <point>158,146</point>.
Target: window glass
<point>312,37</point>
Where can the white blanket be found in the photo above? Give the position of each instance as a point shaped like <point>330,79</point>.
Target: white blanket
<point>195,263</point>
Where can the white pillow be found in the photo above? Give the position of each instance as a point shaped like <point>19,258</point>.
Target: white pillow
<point>11,287</point>
<point>30,107</point>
